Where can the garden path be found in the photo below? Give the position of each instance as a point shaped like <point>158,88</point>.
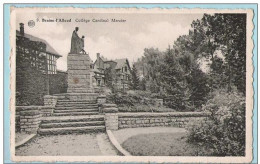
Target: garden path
<point>68,145</point>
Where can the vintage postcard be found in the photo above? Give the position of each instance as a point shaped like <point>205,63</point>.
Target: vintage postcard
<point>131,85</point>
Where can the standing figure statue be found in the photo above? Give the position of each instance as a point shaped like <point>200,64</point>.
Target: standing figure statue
<point>74,42</point>
<point>82,45</point>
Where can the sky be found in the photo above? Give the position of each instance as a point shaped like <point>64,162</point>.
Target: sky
<point>113,40</point>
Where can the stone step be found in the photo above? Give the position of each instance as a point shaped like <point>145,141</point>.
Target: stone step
<point>71,124</point>
<point>71,101</point>
<point>74,113</point>
<point>109,105</point>
<point>74,110</point>
<point>71,107</point>
<point>75,105</point>
<point>70,130</point>
<point>67,103</point>
<point>85,103</point>
<point>85,118</point>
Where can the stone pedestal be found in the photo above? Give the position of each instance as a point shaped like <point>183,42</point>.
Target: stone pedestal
<point>79,79</point>
<point>50,100</point>
<point>79,74</point>
<point>111,121</point>
<point>101,99</point>
<point>111,116</point>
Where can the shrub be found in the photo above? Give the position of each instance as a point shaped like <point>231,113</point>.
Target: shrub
<point>223,132</point>
<point>137,101</point>
<point>131,98</point>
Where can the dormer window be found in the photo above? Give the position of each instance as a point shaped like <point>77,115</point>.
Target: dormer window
<point>125,68</point>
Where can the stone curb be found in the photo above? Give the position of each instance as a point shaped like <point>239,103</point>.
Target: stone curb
<point>24,141</point>
<point>116,144</point>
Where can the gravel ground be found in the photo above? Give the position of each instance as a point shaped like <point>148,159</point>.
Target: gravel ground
<point>123,134</point>
<point>66,145</point>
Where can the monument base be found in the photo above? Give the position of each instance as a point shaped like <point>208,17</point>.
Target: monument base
<point>79,74</point>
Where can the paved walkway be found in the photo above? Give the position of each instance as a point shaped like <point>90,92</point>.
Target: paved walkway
<point>68,145</point>
<point>123,134</point>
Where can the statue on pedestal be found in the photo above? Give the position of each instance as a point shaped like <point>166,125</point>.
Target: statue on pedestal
<point>77,43</point>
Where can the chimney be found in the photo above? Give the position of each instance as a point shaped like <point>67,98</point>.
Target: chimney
<point>98,55</point>
<point>22,29</point>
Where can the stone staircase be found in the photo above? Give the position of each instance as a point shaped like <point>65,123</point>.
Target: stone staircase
<point>73,117</point>
<point>72,108</point>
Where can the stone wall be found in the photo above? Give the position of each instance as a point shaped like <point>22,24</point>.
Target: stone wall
<point>29,118</point>
<point>46,110</point>
<point>172,119</point>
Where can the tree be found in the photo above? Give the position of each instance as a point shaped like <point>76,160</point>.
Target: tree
<point>149,67</point>
<point>231,36</point>
<point>174,81</point>
<point>110,77</point>
<point>196,80</point>
<point>227,33</point>
<point>135,81</point>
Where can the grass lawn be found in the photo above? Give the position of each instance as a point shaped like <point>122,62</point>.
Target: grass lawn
<point>161,144</point>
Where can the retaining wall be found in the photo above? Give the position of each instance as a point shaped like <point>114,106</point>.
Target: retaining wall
<point>28,118</point>
<point>172,119</point>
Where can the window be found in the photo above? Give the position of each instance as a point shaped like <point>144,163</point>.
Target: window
<point>51,61</point>
<point>125,68</point>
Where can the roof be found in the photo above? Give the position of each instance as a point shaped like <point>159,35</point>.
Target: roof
<point>49,48</point>
<point>120,63</point>
<point>103,58</point>
<point>97,71</point>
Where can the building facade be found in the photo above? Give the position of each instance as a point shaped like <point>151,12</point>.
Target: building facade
<point>37,51</point>
<point>120,69</point>
<point>35,62</point>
